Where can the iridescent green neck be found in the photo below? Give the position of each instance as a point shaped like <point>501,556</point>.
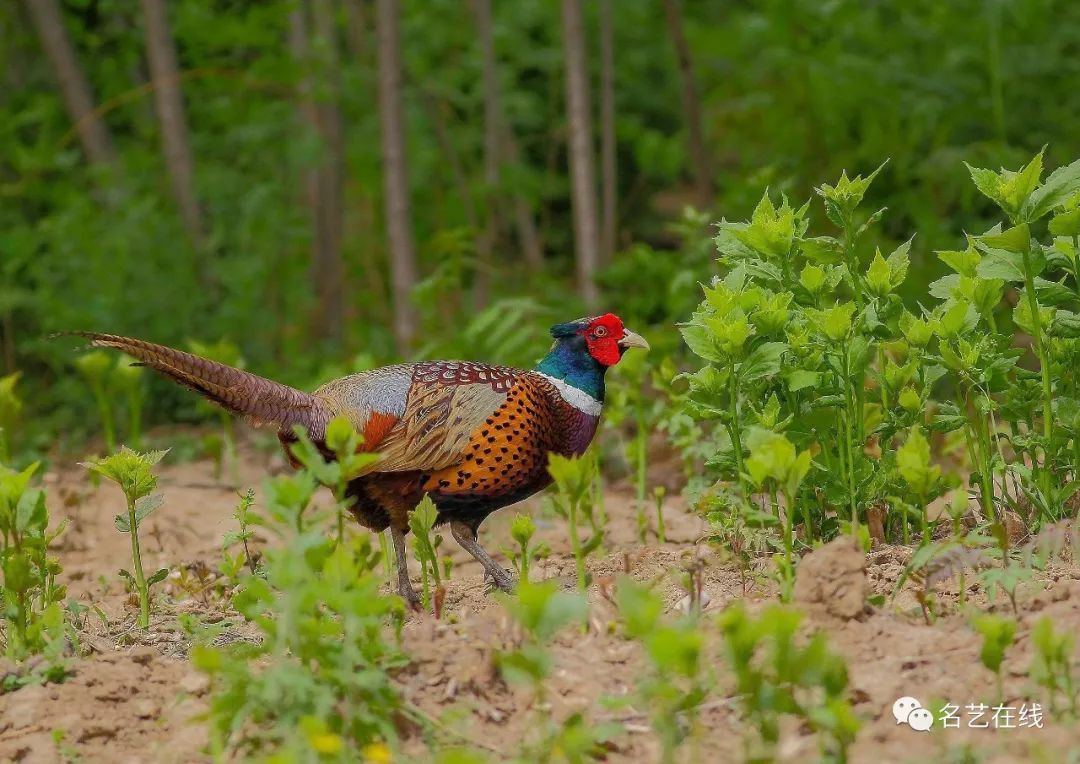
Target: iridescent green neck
<point>570,361</point>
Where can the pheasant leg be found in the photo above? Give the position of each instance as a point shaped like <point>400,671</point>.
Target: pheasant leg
<point>405,588</point>
<point>467,538</point>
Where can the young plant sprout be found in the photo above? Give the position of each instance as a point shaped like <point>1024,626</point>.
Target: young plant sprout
<point>573,480</point>
<point>130,379</point>
<point>32,617</point>
<point>97,368</point>
<point>133,472</point>
<point>10,406</point>
<point>425,548</point>
<point>998,634</point>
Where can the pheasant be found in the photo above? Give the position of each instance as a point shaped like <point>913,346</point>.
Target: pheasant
<point>473,437</point>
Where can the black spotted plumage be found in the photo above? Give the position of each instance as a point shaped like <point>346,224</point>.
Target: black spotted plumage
<point>474,437</point>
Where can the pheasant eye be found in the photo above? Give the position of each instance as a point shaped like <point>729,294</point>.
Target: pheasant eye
<point>600,331</point>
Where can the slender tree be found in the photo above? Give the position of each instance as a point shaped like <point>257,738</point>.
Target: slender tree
<point>78,98</point>
<point>608,169</point>
<point>582,177</point>
<point>691,103</point>
<point>169,103</point>
<point>323,180</point>
<point>395,172</point>
<point>329,265</point>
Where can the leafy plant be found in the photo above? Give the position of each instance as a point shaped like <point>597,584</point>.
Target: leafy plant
<point>522,530</point>
<point>97,368</point>
<point>425,548</point>
<point>541,611</point>
<point>998,634</point>
<point>316,683</point>
<point>10,406</point>
<point>129,378</point>
<point>775,676</point>
<point>348,461</point>
<point>133,472</point>
<point>678,681</point>
<point>1051,665</point>
<point>571,500</point>
<point>233,564</point>
<point>32,617</point>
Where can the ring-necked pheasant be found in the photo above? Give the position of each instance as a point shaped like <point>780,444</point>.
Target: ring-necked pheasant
<point>473,437</point>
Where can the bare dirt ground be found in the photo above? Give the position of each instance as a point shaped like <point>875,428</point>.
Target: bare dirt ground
<point>134,698</point>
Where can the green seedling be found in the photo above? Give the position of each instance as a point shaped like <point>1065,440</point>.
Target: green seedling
<point>425,548</point>
<point>998,634</point>
<point>1051,665</point>
<point>677,682</point>
<point>573,481</point>
<point>133,472</point>
<point>776,467</point>
<point>348,461</point>
<point>521,531</point>
<point>245,517</point>
<point>30,597</point>
<point>541,611</point>
<point>777,675</point>
<point>97,367</point>
<point>659,492</point>
<point>317,682</point>
<point>130,379</point>
<point>10,406</point>
<point>922,477</point>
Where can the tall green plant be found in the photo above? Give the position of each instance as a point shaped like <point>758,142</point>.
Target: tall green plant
<point>133,472</point>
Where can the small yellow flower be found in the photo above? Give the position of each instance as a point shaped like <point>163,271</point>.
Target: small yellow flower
<point>377,753</point>
<point>326,742</point>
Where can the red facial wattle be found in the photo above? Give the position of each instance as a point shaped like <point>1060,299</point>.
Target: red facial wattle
<point>602,339</point>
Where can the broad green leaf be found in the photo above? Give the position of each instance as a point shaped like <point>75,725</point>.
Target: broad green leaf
<point>764,361</point>
<point>1058,188</point>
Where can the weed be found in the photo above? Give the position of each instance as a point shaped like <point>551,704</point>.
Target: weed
<point>10,406</point>
<point>133,472</point>
<point>774,677</point>
<point>425,548</point>
<point>521,531</point>
<point>348,461</point>
<point>573,483</point>
<point>677,682</point>
<point>1051,665</point>
<point>32,617</point>
<point>998,634</point>
<point>97,368</point>
<point>245,518</point>
<point>316,684</point>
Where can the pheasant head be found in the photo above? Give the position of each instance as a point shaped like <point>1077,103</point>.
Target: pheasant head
<point>585,349</point>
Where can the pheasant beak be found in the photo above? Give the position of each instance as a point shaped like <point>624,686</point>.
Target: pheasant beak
<point>632,340</point>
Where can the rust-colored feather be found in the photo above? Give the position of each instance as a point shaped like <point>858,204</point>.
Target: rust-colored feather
<point>261,400</point>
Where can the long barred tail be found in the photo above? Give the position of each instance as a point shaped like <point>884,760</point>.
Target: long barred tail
<point>260,400</point>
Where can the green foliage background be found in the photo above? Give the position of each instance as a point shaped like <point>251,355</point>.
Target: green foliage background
<point>793,91</point>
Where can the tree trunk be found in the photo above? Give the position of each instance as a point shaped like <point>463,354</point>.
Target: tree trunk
<point>528,235</point>
<point>608,168</point>
<point>356,22</point>
<point>489,237</point>
<point>583,183</point>
<point>329,266</point>
<point>395,172</point>
<point>699,154</point>
<point>322,182</point>
<point>169,101</point>
<point>92,132</point>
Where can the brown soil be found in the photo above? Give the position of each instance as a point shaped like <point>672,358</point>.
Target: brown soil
<point>134,696</point>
